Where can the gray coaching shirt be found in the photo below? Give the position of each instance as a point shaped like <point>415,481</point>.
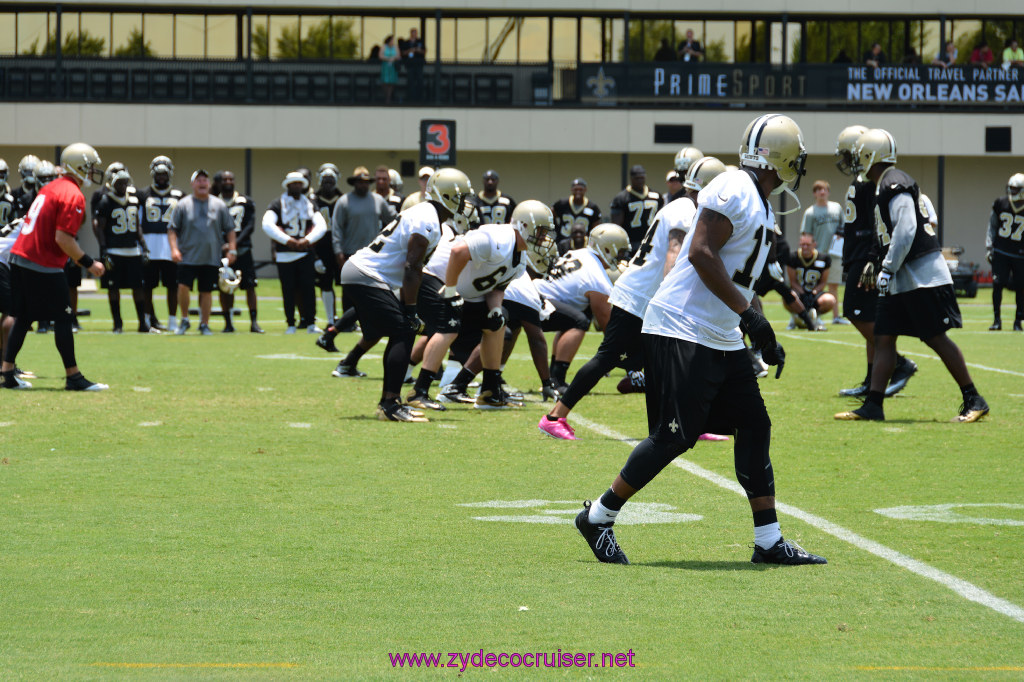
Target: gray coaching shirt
<point>201,228</point>
<point>357,220</point>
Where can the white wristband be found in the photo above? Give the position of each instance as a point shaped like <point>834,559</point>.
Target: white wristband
<point>450,292</point>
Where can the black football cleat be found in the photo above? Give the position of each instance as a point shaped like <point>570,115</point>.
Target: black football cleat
<point>327,344</point>
<point>343,370</point>
<point>78,382</point>
<point>855,392</point>
<point>785,553</point>
<point>13,381</point>
<point>600,537</point>
<point>973,409</point>
<point>424,402</point>
<point>997,326</point>
<point>1017,326</point>
<point>397,412</point>
<point>255,329</point>
<point>549,392</point>
<point>900,376</point>
<point>868,412</point>
<point>453,393</point>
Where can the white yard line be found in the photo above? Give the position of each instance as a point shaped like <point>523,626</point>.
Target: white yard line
<point>961,587</point>
<point>819,338</point>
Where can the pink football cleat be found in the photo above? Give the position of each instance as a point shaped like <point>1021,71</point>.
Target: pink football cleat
<point>712,437</point>
<point>556,429</point>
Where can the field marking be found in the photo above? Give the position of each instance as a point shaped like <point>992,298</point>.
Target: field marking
<point>916,355</point>
<point>294,356</point>
<point>300,425</point>
<point>150,423</point>
<point>945,513</point>
<point>194,665</point>
<point>141,389</point>
<point>926,668</point>
<point>3,424</point>
<point>637,513</point>
<point>264,389</point>
<point>962,587</point>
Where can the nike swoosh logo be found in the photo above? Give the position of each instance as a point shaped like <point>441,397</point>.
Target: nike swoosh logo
<point>79,210</point>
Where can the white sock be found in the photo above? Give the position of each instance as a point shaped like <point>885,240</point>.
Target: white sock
<point>170,321</point>
<point>328,299</point>
<point>600,514</point>
<point>451,370</point>
<point>766,536</point>
<point>408,373</point>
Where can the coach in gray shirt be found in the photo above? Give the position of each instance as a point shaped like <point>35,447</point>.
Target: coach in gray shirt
<point>358,217</point>
<point>200,226</point>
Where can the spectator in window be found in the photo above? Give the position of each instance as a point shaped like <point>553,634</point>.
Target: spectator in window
<point>414,54</point>
<point>374,54</point>
<point>875,57</point>
<point>947,57</point>
<point>665,53</point>
<point>690,49</point>
<point>388,70</point>
<point>982,55</point>
<point>1013,55</point>
<point>842,58</point>
<point>911,57</point>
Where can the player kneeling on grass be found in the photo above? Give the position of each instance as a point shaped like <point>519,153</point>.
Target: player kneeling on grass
<point>698,372</point>
<point>393,261</point>
<point>915,288</point>
<point>481,265</point>
<point>808,277</point>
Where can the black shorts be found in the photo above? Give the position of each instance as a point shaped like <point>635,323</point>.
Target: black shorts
<point>324,250</point>
<point>693,389</point>
<point>126,273</point>
<point>379,311</point>
<point>6,299</point>
<point>565,318</point>
<point>205,276</point>
<point>923,313</point>
<point>430,304</point>
<point>157,272</point>
<point>245,264</point>
<point>73,274</point>
<point>859,304</point>
<point>810,299</point>
<point>1007,271</point>
<point>766,283</point>
<point>39,295</point>
<point>623,339</point>
<point>517,313</point>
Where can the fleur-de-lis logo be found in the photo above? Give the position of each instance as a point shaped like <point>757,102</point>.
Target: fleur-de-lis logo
<point>600,84</point>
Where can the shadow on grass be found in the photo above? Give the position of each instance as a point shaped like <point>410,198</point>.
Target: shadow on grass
<point>696,565</point>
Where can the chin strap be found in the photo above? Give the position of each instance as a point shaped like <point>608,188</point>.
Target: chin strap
<point>795,198</point>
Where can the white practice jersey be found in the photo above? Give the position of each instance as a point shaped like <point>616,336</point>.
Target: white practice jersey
<point>683,306</point>
<point>437,264</point>
<point>383,259</point>
<point>634,288</point>
<point>573,276</point>
<point>6,243</point>
<point>522,291</point>
<point>493,261</point>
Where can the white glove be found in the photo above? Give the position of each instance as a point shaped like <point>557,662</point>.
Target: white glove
<point>882,283</point>
<point>775,271</point>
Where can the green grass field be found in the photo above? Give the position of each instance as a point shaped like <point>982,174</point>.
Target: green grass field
<point>228,510</point>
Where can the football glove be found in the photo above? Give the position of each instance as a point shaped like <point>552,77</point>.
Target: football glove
<point>775,356</point>
<point>884,278</point>
<point>758,329</point>
<point>988,255</point>
<point>867,276</point>
<point>495,319</point>
<point>412,320</point>
<point>775,271</point>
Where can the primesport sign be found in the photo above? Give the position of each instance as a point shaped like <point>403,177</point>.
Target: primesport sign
<point>437,143</point>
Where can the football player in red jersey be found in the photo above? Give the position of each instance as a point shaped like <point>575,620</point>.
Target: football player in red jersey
<point>38,283</point>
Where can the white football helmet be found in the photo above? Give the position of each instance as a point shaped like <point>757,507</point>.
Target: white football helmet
<point>539,262</point>
<point>3,172</point>
<point>702,172</point>
<point>450,187</point>
<point>1015,190</point>
<point>83,162</point>
<point>608,241</point>
<point>228,279</point>
<point>774,141</point>
<point>108,175</point>
<point>874,146</point>
<point>27,168</point>
<point>162,164</point>
<point>535,222</point>
<point>396,180</point>
<point>45,172</point>
<point>685,158</point>
<point>122,174</point>
<point>846,159</point>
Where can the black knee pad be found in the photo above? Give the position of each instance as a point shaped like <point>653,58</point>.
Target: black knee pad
<point>652,455</point>
<point>752,460</point>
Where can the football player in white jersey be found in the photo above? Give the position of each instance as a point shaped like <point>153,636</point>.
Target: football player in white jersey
<point>631,294</point>
<point>480,266</point>
<point>579,280</point>
<point>698,373</point>
<point>383,278</point>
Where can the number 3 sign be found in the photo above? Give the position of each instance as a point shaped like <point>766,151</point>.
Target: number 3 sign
<point>437,143</point>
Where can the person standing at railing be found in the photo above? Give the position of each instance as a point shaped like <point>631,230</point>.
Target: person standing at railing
<point>1013,55</point>
<point>875,57</point>
<point>982,55</point>
<point>388,72</point>
<point>947,57</point>
<point>414,54</point>
<point>690,49</point>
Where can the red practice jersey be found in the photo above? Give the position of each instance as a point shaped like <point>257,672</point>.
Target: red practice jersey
<point>59,205</point>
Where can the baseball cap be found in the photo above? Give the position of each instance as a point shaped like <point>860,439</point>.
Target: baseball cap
<point>360,173</point>
<point>199,172</point>
<point>638,170</point>
<point>579,181</point>
<point>491,174</point>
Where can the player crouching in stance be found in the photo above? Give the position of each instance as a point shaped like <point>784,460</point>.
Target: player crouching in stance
<point>699,376</point>
<point>808,278</point>
<point>393,261</point>
<point>915,288</point>
<point>480,265</point>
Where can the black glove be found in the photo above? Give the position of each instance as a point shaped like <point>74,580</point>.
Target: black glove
<point>105,258</point>
<point>412,320</point>
<point>775,356</point>
<point>145,257</point>
<point>758,329</point>
<point>495,319</point>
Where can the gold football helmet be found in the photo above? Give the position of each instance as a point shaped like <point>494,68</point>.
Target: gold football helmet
<point>395,179</point>
<point>535,223</point>
<point>703,172</point>
<point>685,158</point>
<point>874,146</point>
<point>610,242</point>
<point>162,164</point>
<point>27,167</point>
<point>774,141</point>
<point>45,172</point>
<point>1015,190</point>
<point>846,160</point>
<point>450,187</point>
<point>83,162</point>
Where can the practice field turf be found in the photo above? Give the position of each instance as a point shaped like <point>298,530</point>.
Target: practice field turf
<point>228,510</point>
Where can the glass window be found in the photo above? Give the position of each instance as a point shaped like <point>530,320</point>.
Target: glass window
<point>591,40</point>
<point>374,31</point>
<point>158,30</point>
<point>281,39</point>
<point>719,41</point>
<point>533,39</point>
<point>189,36</point>
<point>563,43</point>
<point>614,35</point>
<point>93,27</point>
<point>33,31</point>
<point>221,38</point>
<point>449,27</point>
<point>501,39</point>
<point>7,44</point>
<point>124,28</point>
<point>471,40</point>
